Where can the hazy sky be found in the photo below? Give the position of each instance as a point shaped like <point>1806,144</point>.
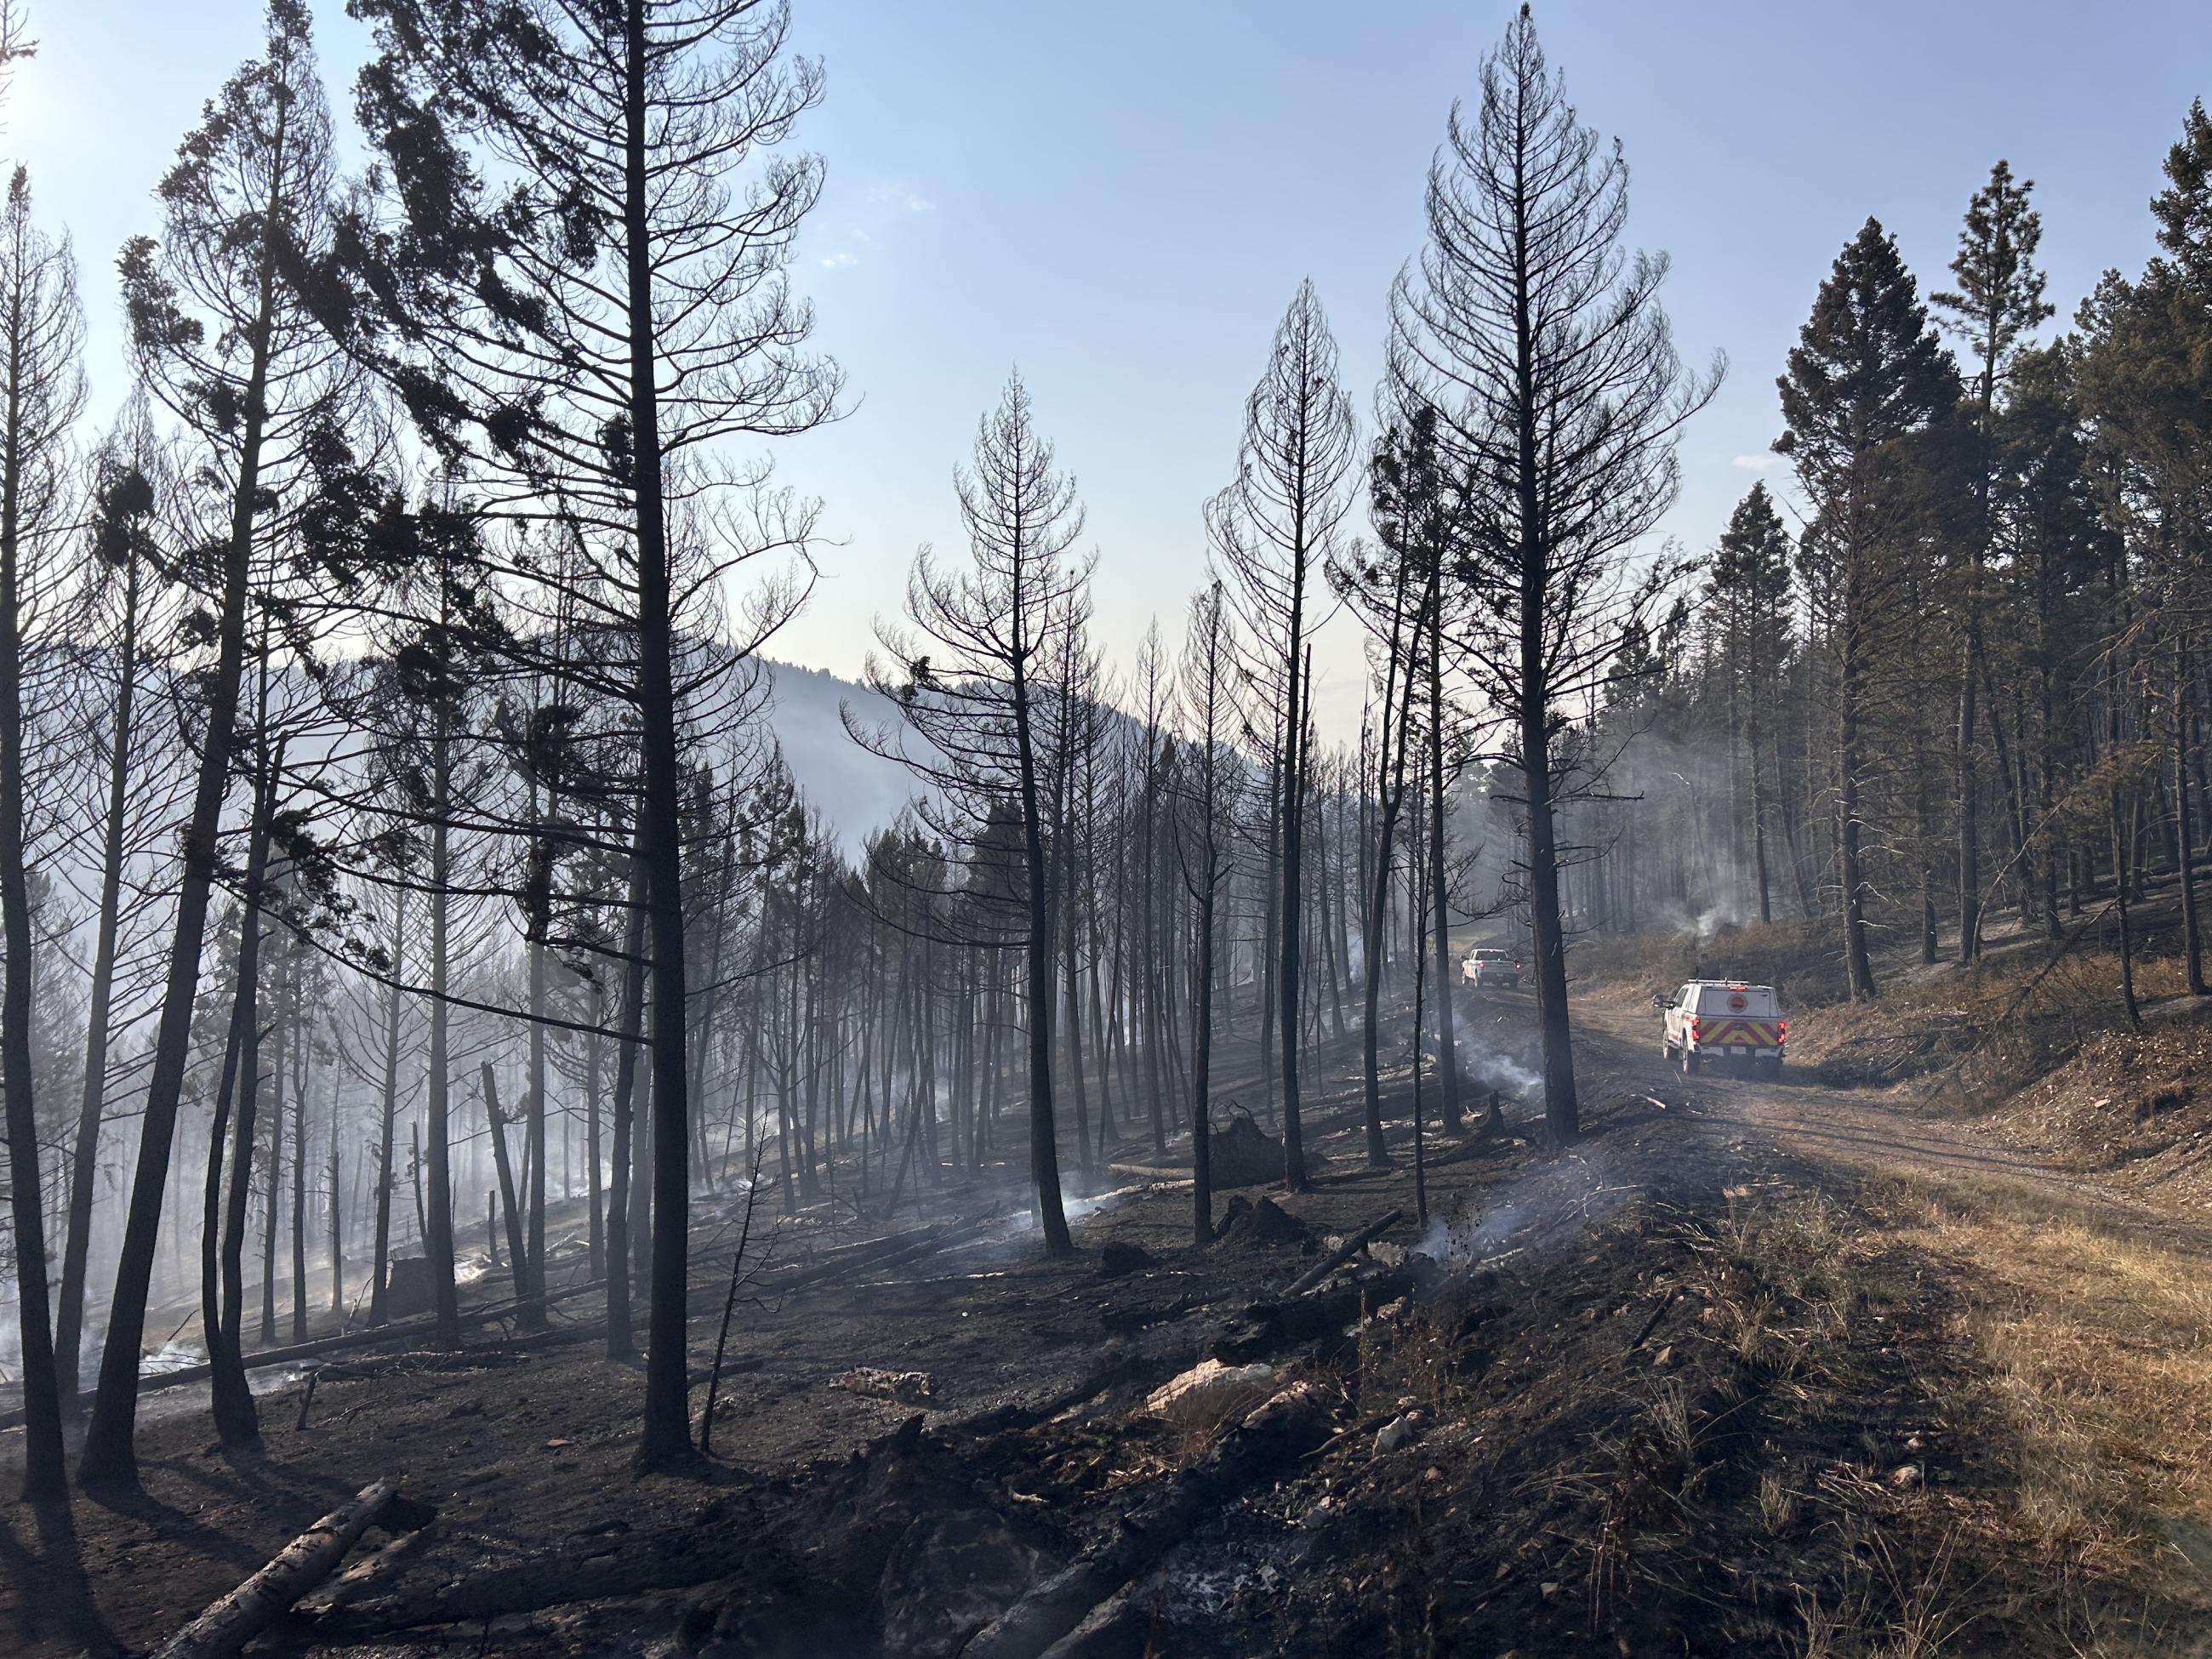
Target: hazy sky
<point>1121,198</point>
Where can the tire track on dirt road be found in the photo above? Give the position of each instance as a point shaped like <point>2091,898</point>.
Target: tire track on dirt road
<point>1856,1131</point>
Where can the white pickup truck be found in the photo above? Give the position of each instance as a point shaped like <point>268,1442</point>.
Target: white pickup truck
<point>1487,968</point>
<point>1725,1019</point>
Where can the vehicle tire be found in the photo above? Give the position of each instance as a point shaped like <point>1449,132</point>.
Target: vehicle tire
<point>1691,1060</point>
<point>1666,1053</point>
<point>1772,1068</point>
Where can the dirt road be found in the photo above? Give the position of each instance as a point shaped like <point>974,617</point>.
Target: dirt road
<point>1852,1132</point>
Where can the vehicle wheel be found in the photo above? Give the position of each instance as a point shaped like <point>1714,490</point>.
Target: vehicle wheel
<point>1771,1068</point>
<point>1666,1052</point>
<point>1691,1060</point>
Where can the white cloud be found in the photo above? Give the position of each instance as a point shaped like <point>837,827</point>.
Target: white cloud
<point>871,226</point>
<point>1757,462</point>
<point>900,197</point>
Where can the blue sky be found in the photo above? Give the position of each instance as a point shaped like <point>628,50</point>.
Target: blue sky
<point>1121,198</point>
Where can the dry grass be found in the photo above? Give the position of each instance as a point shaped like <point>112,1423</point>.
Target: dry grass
<point>2059,1493</point>
<point>2098,1351</point>
<point>2133,1110</point>
<point>1973,1037</point>
<point>1778,1502</point>
<point>1899,1610</point>
<point>1939,1418</point>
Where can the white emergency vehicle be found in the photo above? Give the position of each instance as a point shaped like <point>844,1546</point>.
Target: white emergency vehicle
<point>1725,1019</point>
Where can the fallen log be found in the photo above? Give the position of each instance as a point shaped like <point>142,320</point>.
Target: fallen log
<point>1112,1630</point>
<point>1268,1326</point>
<point>693,1554</point>
<point>1268,1441</point>
<point>229,1624</point>
<point>1344,1253</point>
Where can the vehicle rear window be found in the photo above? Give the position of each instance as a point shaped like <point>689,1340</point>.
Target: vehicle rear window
<point>1758,1001</point>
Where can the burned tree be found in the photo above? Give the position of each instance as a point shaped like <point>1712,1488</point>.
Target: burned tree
<point>596,231</point>
<point>226,331</point>
<point>1545,349</point>
<point>1272,529</point>
<point>1209,774</point>
<point>1395,588</point>
<point>41,390</point>
<point>971,674</point>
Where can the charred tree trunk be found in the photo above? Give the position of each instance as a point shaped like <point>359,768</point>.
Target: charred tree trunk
<point>621,1341</point>
<point>110,1458</point>
<point>69,1339</point>
<point>387,1116</point>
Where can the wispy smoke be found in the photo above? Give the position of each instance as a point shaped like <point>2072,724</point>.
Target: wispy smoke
<point>1703,925</point>
<point>1551,1203</point>
<point>1493,1070</point>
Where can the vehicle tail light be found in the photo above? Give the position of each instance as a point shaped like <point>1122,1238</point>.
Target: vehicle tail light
<point>1696,1030</point>
<point>1781,1029</point>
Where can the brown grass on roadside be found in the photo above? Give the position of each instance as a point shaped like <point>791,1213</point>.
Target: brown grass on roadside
<point>1974,1038</point>
<point>2059,1501</point>
<point>2098,1351</point>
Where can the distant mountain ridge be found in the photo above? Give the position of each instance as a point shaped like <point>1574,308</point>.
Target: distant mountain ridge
<point>857,791</point>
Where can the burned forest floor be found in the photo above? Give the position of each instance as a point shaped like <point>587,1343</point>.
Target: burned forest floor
<point>1752,1367</point>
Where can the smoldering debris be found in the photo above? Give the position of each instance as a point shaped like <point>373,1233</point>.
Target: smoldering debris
<point>1493,1070</point>
<point>1537,1211</point>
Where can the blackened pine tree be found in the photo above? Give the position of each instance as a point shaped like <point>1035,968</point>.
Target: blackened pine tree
<point>1075,730</point>
<point>2049,527</point>
<point>1273,532</point>
<point>1205,783</point>
<point>437,631</point>
<point>224,315</point>
<point>1751,580</point>
<point>971,672</point>
<point>1141,776</point>
<point>122,605</point>
<point>1392,588</point>
<point>237,1421</point>
<point>287,894</point>
<point>1549,358</point>
<point>1995,308</point>
<point>41,391</point>
<point>1866,378</point>
<point>596,222</point>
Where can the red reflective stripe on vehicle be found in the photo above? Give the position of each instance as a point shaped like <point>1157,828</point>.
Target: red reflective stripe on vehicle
<point>1756,1033</point>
